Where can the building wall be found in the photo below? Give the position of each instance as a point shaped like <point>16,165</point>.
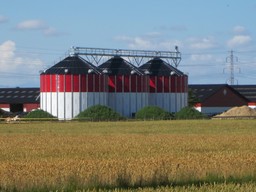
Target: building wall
<point>214,110</point>
<point>5,107</point>
<point>252,105</point>
<point>27,107</point>
<point>225,97</point>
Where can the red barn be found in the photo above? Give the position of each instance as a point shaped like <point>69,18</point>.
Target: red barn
<point>217,98</point>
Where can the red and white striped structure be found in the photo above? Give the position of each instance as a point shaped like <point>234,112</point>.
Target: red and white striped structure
<point>74,84</point>
<point>71,86</point>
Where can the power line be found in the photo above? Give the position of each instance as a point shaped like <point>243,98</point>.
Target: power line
<point>231,59</point>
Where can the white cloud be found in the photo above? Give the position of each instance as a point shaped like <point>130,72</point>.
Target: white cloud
<point>38,25</point>
<point>204,43</point>
<point>31,24</point>
<point>149,42</point>
<point>13,65</point>
<point>136,42</point>
<point>140,43</point>
<point>240,37</point>
<point>239,29</point>
<point>154,34</point>
<point>170,45</point>
<point>50,31</point>
<point>239,40</point>
<point>7,61</point>
<point>3,19</point>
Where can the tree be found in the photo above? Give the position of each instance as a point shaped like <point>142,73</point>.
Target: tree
<point>192,99</point>
<point>153,112</point>
<point>190,113</point>
<point>39,113</point>
<point>99,113</point>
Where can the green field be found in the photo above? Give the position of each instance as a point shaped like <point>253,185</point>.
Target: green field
<point>192,155</point>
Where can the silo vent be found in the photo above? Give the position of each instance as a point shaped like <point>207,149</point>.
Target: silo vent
<point>147,72</point>
<point>133,72</point>
<point>106,71</point>
<point>172,73</point>
<point>90,70</point>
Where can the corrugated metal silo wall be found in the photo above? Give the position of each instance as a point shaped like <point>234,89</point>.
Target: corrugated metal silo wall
<point>168,92</point>
<point>66,95</point>
<point>128,94</point>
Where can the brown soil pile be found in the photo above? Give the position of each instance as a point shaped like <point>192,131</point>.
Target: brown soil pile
<point>239,111</point>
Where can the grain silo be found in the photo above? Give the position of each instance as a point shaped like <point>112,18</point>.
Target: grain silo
<point>168,87</point>
<point>126,93</point>
<point>74,84</point>
<point>70,86</point>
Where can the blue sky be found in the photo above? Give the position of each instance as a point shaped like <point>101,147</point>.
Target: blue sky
<point>34,35</point>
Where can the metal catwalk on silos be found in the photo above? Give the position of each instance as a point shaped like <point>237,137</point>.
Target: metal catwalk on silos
<point>96,54</point>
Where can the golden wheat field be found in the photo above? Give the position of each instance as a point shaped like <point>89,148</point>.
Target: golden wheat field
<point>205,155</point>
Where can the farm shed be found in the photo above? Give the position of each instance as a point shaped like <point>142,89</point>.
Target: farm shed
<point>216,98</point>
<point>19,99</point>
<point>74,84</point>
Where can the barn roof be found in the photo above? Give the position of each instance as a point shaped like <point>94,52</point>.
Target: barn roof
<point>19,95</point>
<point>248,91</point>
<point>204,91</point>
<point>119,66</point>
<point>72,65</point>
<point>159,67</point>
